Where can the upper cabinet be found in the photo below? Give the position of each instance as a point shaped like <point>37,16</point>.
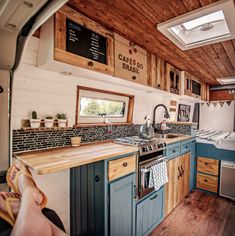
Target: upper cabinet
<point>130,61</point>
<point>194,88</point>
<point>156,72</point>
<point>78,41</point>
<point>173,79</point>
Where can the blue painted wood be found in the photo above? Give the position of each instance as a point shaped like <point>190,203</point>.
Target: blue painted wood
<point>210,151</point>
<point>122,219</point>
<point>173,150</point>
<point>192,183</point>
<point>185,147</point>
<point>149,213</point>
<point>87,199</point>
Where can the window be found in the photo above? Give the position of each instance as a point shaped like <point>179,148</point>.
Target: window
<point>95,106</point>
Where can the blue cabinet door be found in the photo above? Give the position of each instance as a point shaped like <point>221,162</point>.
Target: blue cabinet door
<point>122,201</point>
<point>193,165</point>
<point>149,213</point>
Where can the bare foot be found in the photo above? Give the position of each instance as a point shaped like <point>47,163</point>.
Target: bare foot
<point>25,184</point>
<point>15,205</point>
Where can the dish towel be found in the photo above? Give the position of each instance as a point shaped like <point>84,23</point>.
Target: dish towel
<point>158,175</point>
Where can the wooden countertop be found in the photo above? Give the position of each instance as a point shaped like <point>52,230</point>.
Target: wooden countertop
<point>58,159</point>
<point>175,140</point>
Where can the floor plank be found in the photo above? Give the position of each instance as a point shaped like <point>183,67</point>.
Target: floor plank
<point>200,214</point>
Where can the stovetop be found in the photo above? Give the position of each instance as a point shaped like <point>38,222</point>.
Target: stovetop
<point>145,146</point>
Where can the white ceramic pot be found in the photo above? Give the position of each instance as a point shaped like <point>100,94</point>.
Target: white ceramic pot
<point>35,123</point>
<point>62,123</point>
<point>48,123</point>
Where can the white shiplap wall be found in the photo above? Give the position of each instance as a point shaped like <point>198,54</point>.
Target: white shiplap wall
<point>50,93</point>
<point>217,117</point>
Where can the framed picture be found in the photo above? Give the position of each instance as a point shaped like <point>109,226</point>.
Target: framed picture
<point>184,113</point>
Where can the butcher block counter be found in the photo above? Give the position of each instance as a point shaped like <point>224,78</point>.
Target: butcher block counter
<point>58,159</point>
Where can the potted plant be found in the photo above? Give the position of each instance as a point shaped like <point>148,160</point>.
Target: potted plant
<point>34,121</point>
<point>62,119</point>
<point>48,122</point>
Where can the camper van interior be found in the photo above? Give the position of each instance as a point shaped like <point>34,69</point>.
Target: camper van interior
<point>117,117</point>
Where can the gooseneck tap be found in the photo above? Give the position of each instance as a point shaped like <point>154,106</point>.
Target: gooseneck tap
<point>166,114</point>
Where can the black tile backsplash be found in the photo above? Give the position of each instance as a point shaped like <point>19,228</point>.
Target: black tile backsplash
<point>24,140</point>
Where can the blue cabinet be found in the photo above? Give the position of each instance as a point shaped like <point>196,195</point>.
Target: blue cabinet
<point>173,150</point>
<point>149,213</point>
<point>185,147</point>
<point>193,165</point>
<point>122,206</point>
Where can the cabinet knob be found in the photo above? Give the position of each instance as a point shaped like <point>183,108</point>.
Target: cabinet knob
<point>173,151</point>
<point>90,63</point>
<point>206,163</point>
<point>97,178</point>
<point>125,164</point>
<point>133,77</point>
<point>186,147</point>
<point>158,85</point>
<point>205,180</point>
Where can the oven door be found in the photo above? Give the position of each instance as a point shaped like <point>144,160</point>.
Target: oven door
<point>144,189</point>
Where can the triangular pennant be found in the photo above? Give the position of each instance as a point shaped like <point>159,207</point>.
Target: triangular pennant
<point>202,103</point>
<point>228,102</point>
<point>215,104</point>
<point>221,104</point>
<point>208,104</point>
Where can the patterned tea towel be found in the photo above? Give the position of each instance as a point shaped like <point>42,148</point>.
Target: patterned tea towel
<point>158,175</point>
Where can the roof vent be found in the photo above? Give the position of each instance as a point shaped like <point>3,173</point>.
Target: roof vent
<point>210,24</point>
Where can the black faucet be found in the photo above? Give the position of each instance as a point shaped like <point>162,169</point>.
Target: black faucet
<point>166,114</point>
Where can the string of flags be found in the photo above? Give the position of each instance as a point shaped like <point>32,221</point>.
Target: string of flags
<point>216,103</point>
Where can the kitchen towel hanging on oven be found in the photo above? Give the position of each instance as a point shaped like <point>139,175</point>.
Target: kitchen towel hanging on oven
<point>158,175</point>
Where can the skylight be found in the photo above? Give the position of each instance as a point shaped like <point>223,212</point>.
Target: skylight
<point>210,24</point>
<point>205,28</point>
<point>226,81</point>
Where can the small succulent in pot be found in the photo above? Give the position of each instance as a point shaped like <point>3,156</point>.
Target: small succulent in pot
<point>34,121</point>
<point>62,119</point>
<point>48,122</point>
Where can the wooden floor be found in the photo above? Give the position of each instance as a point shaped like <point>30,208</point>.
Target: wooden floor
<point>200,214</point>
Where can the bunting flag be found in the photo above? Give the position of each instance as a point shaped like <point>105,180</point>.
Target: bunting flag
<point>221,104</point>
<point>208,104</point>
<point>202,103</point>
<point>214,104</point>
<point>228,102</point>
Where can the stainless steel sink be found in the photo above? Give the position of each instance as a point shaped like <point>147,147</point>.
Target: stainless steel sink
<point>167,136</point>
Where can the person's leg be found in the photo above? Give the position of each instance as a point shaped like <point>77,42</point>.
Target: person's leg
<point>30,220</point>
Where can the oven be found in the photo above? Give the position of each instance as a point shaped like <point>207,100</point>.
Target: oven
<point>144,166</point>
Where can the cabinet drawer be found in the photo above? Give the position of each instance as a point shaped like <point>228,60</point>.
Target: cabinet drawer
<point>185,147</point>
<point>206,165</point>
<point>173,151</point>
<point>121,167</point>
<point>207,182</point>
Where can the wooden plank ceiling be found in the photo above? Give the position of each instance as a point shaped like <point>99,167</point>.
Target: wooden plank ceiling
<point>136,20</point>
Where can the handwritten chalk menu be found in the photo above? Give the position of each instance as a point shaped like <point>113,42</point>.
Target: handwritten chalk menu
<point>84,42</point>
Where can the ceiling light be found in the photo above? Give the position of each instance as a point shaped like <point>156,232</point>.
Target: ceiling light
<point>225,81</point>
<point>210,24</point>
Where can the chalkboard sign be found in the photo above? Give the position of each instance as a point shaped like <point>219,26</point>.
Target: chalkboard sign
<point>84,42</point>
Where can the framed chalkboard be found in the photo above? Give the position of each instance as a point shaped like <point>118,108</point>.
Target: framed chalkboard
<point>85,42</point>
